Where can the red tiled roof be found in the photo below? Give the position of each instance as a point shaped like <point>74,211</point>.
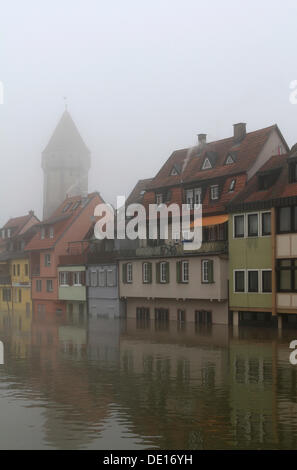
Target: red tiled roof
<point>136,194</point>
<point>60,220</point>
<point>190,160</point>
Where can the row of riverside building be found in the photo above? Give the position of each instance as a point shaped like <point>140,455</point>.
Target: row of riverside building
<point>245,272</point>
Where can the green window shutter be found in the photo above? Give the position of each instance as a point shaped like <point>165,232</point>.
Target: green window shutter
<point>158,272</point>
<point>149,272</point>
<point>178,271</point>
<point>210,271</point>
<point>167,273</point>
<point>124,273</point>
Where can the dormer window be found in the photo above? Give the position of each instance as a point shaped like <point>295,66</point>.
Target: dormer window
<point>206,164</point>
<point>214,192</point>
<point>232,186</point>
<point>42,233</point>
<point>229,160</point>
<point>174,172</point>
<point>293,172</point>
<point>67,206</point>
<point>51,232</point>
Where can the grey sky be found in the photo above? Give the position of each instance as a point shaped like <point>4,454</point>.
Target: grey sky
<point>142,79</point>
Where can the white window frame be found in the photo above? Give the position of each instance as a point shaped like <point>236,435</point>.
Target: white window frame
<point>159,199</point>
<point>42,233</point>
<point>229,162</point>
<point>206,164</point>
<point>214,187</point>
<point>198,192</point>
<point>129,273</point>
<point>190,198</point>
<point>52,288</point>
<point>244,283</point>
<point>247,281</point>
<point>51,232</point>
<point>185,272</point>
<point>260,223</point>
<point>244,226</point>
<point>232,184</point>
<point>8,233</point>
<point>63,278</point>
<point>205,280</point>
<point>47,260</point>
<point>77,277</point>
<point>163,279</point>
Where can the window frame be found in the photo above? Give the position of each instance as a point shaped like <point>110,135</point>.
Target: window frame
<point>248,281</point>
<point>185,279</point>
<point>234,226</point>
<point>261,279</point>
<point>248,215</point>
<point>216,187</point>
<point>244,281</point>
<point>261,222</point>
<point>129,273</point>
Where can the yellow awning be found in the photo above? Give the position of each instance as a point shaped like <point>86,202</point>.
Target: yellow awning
<point>213,220</point>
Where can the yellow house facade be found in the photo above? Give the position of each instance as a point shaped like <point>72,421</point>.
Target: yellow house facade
<point>15,287</point>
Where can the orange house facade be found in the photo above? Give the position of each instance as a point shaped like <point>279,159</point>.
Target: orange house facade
<point>69,223</point>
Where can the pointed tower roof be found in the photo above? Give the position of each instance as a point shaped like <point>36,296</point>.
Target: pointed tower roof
<point>66,137</point>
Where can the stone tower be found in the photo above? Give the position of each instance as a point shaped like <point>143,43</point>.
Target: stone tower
<point>65,162</point>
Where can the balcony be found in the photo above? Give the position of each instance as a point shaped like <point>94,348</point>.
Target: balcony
<point>214,247</point>
<point>5,280</point>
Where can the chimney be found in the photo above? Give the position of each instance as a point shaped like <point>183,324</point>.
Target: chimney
<point>239,132</point>
<point>202,139</point>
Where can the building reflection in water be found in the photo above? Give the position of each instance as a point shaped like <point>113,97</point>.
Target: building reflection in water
<point>115,383</point>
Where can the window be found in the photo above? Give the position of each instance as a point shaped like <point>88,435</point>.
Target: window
<point>14,270</point>
<point>197,196</point>
<point>203,317</point>
<point>181,316</point>
<point>287,219</point>
<point>266,223</point>
<point>8,233</point>
<point>93,278</point>
<point>287,275</point>
<point>49,285</point>
<point>239,281</point>
<point>238,226</point>
<point>20,295</point>
<point>207,271</point>
<point>214,192</point>
<point>6,294</point>
<point>3,233</point>
<point>206,164</point>
<point>42,233</point>
<point>293,172</point>
<point>38,285</point>
<point>77,278</point>
<point>185,271</point>
<point>266,281</point>
<point>51,232</point>
<point>253,281</point>
<point>146,273</point>
<point>229,160</point>
<point>174,171</point>
<point>63,278</point>
<point>26,269</point>
<point>129,272</point>
<point>111,279</point>
<point>163,277</point>
<point>189,198</point>
<point>18,270</point>
<point>159,199</point>
<point>102,277</point>
<point>232,186</point>
<point>252,225</point>
<point>76,205</point>
<point>47,260</point>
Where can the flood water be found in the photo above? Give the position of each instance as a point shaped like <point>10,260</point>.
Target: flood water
<point>111,384</point>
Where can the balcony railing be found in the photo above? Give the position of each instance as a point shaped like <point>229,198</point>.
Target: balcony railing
<point>215,247</point>
<point>5,280</point>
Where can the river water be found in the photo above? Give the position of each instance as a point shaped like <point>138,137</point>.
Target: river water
<point>115,384</point>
